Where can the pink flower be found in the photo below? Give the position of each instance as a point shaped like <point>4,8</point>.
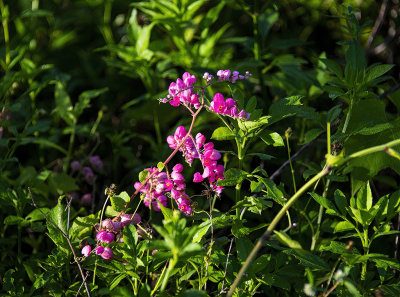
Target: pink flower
<point>75,165</point>
<point>99,250</point>
<point>96,162</point>
<point>126,218</point>
<point>101,236</point>
<point>86,250</point>
<point>109,238</point>
<point>86,199</point>
<point>107,253</point>
<point>88,174</point>
<point>178,168</point>
<point>197,178</point>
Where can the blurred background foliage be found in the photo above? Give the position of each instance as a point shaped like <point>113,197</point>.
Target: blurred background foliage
<point>82,78</point>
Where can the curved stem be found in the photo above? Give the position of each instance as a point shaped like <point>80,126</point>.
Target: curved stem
<point>273,224</point>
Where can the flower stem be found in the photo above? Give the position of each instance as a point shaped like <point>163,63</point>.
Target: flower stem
<point>272,226</point>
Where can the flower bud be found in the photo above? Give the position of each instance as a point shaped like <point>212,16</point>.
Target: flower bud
<point>86,250</point>
<point>107,253</point>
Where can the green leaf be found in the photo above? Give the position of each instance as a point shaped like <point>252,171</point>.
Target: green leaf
<point>117,203</point>
<point>286,240</point>
<point>63,104</point>
<point>251,105</point>
<point>143,175</point>
<point>343,226</point>
<point>284,108</point>
<point>115,282</point>
<point>223,133</point>
<point>63,183</point>
<point>309,260</point>
<point>233,176</point>
<point>352,288</point>
<point>13,220</point>
<point>272,191</point>
<point>168,213</point>
<point>262,156</point>
<point>324,202</point>
<point>364,197</point>
<point>265,23</point>
<point>193,293</point>
<point>203,229</point>
<point>84,100</point>
<point>243,247</point>
<point>271,138</point>
<point>377,71</point>
<point>312,134</point>
<point>160,166</point>
<point>334,67</point>
<point>341,201</point>
<point>130,236</point>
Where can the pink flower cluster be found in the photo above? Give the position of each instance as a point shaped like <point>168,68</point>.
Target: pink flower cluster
<point>209,157</point>
<point>199,150</point>
<point>159,185</point>
<point>182,92</point>
<point>227,107</point>
<point>188,148</point>
<point>225,75</point>
<point>108,231</point>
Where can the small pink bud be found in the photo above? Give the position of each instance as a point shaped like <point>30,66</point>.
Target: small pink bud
<point>116,226</point>
<point>107,224</point>
<point>86,250</point>
<point>86,199</point>
<point>76,166</point>
<point>107,253</point>
<point>109,237</point>
<point>101,236</point>
<point>99,250</point>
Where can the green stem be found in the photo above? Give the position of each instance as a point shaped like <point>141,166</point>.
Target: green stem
<point>346,123</point>
<point>273,224</point>
<point>291,165</point>
<point>366,252</point>
<point>171,266</point>
<point>4,16</point>
<point>320,214</point>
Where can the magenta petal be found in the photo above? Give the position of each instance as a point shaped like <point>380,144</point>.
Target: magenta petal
<point>197,177</point>
<point>107,253</point>
<point>86,250</point>
<point>99,250</point>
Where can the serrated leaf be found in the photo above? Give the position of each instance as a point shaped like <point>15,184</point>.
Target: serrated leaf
<point>341,201</point>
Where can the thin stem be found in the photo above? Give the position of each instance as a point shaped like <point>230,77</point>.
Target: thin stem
<point>68,240</point>
<point>290,163</point>
<point>320,214</point>
<point>346,123</point>
<point>273,224</point>
<point>4,16</point>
